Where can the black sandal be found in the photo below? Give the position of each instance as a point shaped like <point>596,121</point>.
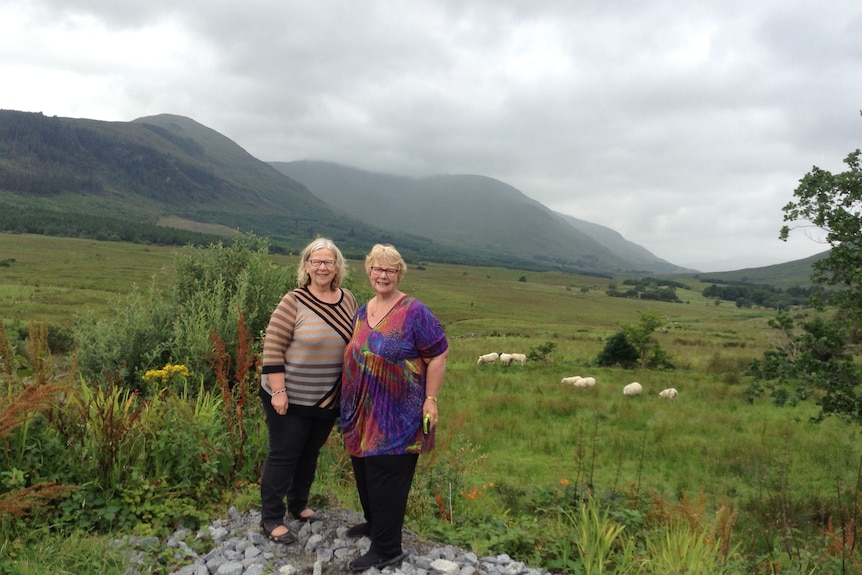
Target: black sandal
<point>285,538</point>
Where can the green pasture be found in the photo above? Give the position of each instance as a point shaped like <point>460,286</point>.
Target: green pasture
<point>521,429</point>
<point>522,413</point>
<point>51,279</point>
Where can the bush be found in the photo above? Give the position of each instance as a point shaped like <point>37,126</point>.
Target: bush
<point>618,352</point>
<point>206,292</point>
<point>540,353</point>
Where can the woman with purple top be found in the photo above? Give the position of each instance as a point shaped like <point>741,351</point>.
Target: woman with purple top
<point>393,370</point>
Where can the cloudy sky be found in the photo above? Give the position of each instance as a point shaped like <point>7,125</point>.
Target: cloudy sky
<point>685,126</point>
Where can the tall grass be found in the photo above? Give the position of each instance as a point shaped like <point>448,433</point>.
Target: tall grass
<point>76,554</point>
<point>523,463</point>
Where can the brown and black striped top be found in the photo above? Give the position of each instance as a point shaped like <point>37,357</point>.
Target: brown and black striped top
<point>305,339</point>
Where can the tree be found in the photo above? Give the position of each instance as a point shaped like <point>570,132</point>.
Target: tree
<point>618,351</point>
<point>833,203</point>
<point>636,344</point>
<point>809,360</point>
<point>640,335</point>
<point>819,356</point>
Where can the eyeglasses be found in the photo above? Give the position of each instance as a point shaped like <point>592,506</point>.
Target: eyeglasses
<point>391,272</point>
<point>318,263</point>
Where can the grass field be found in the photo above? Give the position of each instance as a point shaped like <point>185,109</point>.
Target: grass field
<point>51,279</point>
<point>525,428</point>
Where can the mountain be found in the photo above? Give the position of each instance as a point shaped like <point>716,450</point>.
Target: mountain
<point>477,212</point>
<point>167,170</point>
<point>152,168</point>
<point>110,178</point>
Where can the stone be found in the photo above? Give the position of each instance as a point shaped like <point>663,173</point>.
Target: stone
<point>236,547</point>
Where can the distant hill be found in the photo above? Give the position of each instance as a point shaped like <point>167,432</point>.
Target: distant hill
<point>786,275</point>
<point>476,212</point>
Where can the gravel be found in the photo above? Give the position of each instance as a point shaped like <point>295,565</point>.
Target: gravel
<point>235,546</point>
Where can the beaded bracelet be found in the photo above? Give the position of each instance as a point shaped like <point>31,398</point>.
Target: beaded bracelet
<point>282,390</point>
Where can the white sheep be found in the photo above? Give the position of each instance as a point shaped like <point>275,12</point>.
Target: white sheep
<point>519,357</point>
<point>573,380</point>
<point>588,382</point>
<point>488,358</point>
<point>633,389</point>
<point>669,393</point>
<point>505,358</point>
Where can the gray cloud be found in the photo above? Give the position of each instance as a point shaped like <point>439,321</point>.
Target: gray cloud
<point>685,127</point>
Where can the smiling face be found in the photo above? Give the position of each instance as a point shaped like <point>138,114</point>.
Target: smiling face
<point>321,268</point>
<point>385,268</point>
<point>383,277</point>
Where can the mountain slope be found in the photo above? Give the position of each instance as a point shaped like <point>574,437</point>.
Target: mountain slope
<point>475,211</point>
<point>168,168</point>
<point>161,167</point>
<point>784,275</point>
<point>616,243</point>
<point>175,171</point>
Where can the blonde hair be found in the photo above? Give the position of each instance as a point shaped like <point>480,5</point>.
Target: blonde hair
<point>387,255</point>
<point>303,278</point>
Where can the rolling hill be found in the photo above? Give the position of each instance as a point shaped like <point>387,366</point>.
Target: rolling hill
<point>168,170</point>
<point>476,211</point>
<point>158,167</point>
<point>785,275</point>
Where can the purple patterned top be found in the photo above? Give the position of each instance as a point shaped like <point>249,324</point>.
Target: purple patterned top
<point>383,380</point>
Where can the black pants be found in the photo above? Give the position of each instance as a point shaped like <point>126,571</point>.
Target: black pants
<point>290,464</point>
<point>384,483</point>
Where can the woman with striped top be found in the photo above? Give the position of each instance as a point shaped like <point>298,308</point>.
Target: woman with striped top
<point>300,389</point>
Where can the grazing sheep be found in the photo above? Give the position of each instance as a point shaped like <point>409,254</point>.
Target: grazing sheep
<point>633,389</point>
<point>578,381</point>
<point>488,358</point>
<point>505,358</point>
<point>669,393</point>
<point>519,357</point>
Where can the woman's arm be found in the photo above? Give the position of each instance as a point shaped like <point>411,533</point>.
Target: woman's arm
<point>436,369</point>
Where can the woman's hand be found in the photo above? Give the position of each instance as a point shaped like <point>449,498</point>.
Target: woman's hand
<point>433,381</point>
<point>279,399</point>
<point>430,408</point>
<point>279,402</point>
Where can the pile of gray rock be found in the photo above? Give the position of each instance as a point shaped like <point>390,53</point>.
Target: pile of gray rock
<point>235,546</point>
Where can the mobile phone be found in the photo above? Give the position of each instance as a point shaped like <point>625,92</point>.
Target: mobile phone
<point>426,423</point>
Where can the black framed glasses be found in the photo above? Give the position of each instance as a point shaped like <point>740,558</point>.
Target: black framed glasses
<point>390,272</point>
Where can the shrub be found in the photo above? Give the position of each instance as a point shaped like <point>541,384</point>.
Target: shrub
<point>206,292</point>
<point>540,353</point>
<point>618,352</point>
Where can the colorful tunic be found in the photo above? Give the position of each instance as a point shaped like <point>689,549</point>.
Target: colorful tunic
<point>383,383</point>
<point>305,340</point>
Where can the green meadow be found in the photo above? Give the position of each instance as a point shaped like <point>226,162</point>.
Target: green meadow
<point>515,443</point>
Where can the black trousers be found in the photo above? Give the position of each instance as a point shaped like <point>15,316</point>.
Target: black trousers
<point>290,464</point>
<point>384,483</point>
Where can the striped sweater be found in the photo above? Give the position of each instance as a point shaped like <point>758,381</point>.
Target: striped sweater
<point>305,340</point>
